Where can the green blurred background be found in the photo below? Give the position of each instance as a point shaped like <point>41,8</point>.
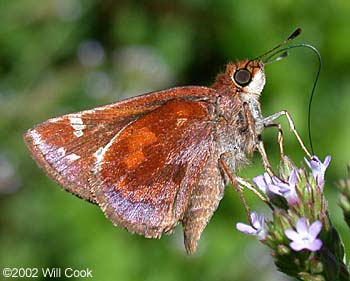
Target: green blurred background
<point>62,56</point>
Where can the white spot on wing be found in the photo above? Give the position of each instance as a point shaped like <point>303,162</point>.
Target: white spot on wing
<point>72,157</point>
<point>76,121</point>
<point>78,126</point>
<point>36,137</point>
<point>78,133</point>
<point>61,152</point>
<point>101,151</point>
<point>99,154</point>
<point>56,119</point>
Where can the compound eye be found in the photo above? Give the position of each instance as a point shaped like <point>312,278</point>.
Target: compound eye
<point>242,77</point>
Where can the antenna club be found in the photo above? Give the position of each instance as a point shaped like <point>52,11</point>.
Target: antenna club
<point>295,34</point>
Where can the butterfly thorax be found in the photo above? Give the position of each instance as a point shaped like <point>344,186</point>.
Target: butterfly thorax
<point>238,106</point>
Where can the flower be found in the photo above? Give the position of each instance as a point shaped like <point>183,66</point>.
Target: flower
<point>274,186</point>
<point>262,182</point>
<point>257,227</point>
<point>304,237</point>
<point>318,168</point>
<point>287,190</point>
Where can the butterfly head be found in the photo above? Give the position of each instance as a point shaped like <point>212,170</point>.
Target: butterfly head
<point>248,76</point>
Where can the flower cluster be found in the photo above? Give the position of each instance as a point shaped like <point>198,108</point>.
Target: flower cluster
<point>303,241</point>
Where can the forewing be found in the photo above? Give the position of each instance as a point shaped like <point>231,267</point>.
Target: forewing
<point>146,173</point>
<point>67,147</point>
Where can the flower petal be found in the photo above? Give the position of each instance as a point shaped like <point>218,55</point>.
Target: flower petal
<point>292,198</point>
<point>275,180</point>
<point>315,228</point>
<point>262,181</point>
<point>261,220</point>
<point>275,189</point>
<point>327,160</point>
<point>245,228</point>
<point>292,235</point>
<point>315,245</point>
<point>301,226</point>
<point>267,178</point>
<point>257,221</point>
<point>259,181</point>
<point>297,246</point>
<point>293,177</point>
<point>254,217</point>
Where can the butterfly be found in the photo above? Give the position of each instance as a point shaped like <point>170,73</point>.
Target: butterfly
<point>155,160</point>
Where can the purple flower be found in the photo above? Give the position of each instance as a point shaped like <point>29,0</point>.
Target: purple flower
<point>304,237</point>
<point>272,186</point>
<point>262,182</point>
<point>318,168</point>
<point>287,190</point>
<point>256,229</point>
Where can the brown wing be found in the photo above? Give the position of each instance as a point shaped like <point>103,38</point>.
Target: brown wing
<point>66,147</point>
<point>146,173</point>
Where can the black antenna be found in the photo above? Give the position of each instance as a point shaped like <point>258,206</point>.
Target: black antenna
<point>295,34</point>
<point>284,51</point>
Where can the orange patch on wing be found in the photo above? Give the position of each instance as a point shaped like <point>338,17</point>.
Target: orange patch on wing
<point>141,138</point>
<point>134,159</point>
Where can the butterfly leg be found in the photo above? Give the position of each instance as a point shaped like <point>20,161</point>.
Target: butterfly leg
<point>238,183</point>
<point>279,137</point>
<point>261,148</point>
<point>246,184</point>
<point>257,141</point>
<point>269,120</point>
<point>235,184</point>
